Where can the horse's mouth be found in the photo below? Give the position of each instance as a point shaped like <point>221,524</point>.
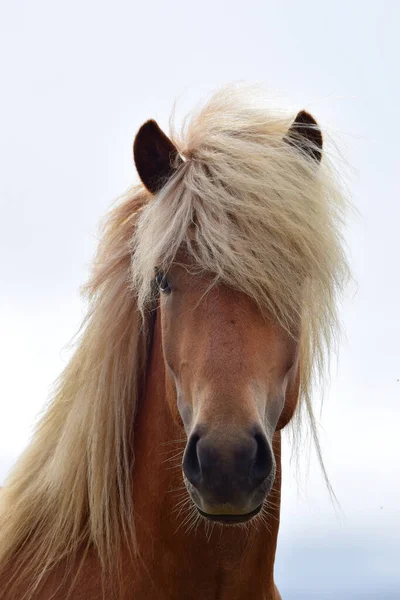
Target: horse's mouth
<point>231,519</point>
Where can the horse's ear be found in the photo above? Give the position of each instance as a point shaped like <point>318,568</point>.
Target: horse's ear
<point>305,134</point>
<point>156,157</point>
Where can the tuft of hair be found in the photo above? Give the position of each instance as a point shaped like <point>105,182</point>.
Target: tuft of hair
<point>259,214</point>
<point>246,206</point>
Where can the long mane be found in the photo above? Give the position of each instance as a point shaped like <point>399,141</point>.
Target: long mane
<point>247,207</point>
<point>72,486</point>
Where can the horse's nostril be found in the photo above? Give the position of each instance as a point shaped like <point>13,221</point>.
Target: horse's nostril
<point>263,461</point>
<point>191,464</point>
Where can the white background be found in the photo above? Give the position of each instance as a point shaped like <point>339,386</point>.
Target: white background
<point>77,80</point>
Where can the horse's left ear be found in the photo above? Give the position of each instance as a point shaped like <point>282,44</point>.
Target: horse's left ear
<point>305,134</point>
<point>156,157</point>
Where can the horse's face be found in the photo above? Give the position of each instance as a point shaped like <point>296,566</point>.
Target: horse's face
<point>236,373</point>
<point>236,380</point>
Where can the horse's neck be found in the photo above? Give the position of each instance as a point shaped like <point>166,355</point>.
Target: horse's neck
<point>205,562</point>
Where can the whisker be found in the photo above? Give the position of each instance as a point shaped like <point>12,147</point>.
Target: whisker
<point>174,457</point>
<point>186,521</point>
<point>179,466</point>
<point>177,489</point>
<point>173,441</point>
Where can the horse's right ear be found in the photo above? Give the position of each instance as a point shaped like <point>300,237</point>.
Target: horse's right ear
<point>156,157</point>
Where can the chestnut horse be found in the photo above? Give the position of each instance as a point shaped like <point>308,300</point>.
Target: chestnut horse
<point>155,472</point>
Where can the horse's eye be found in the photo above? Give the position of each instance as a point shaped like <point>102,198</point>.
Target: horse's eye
<point>162,282</point>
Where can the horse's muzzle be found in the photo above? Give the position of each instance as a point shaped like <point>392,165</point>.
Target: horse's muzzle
<point>228,474</point>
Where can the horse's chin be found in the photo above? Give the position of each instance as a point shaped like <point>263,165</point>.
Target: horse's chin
<point>230,519</point>
<point>225,516</point>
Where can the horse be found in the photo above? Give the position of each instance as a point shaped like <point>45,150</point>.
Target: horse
<point>155,472</point>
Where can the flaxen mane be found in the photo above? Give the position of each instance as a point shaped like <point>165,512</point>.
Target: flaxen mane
<point>245,205</point>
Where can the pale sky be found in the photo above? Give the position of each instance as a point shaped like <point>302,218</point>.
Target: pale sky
<point>77,80</point>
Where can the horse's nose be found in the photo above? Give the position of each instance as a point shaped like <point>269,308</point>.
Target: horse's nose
<point>225,467</point>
